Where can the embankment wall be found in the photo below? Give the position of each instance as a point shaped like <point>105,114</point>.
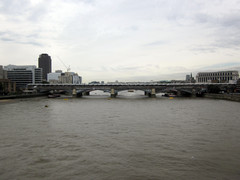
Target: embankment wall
<point>231,97</point>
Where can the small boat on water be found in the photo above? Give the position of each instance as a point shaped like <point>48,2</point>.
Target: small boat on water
<point>169,95</point>
<point>53,95</point>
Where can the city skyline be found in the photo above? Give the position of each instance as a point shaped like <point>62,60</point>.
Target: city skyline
<point>123,40</point>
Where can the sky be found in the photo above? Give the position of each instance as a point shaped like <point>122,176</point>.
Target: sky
<point>124,40</point>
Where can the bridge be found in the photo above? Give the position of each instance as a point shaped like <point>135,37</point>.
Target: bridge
<point>150,88</point>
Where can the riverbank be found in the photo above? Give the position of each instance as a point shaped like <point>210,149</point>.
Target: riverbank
<point>22,96</point>
<point>231,97</point>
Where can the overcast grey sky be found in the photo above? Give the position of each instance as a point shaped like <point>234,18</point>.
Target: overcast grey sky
<point>122,40</point>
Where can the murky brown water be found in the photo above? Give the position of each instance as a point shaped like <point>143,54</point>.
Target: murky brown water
<point>123,138</point>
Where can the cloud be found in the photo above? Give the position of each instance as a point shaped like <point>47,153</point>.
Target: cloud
<point>222,66</point>
<point>122,38</point>
<point>19,39</point>
<point>156,43</point>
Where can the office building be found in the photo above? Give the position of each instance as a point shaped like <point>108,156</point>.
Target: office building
<point>53,78</point>
<point>3,73</point>
<point>6,86</point>
<point>64,78</point>
<point>217,77</point>
<point>23,75</point>
<point>45,62</point>
<point>70,78</point>
<point>190,78</point>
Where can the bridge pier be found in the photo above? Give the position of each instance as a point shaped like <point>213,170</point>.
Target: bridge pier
<point>145,93</point>
<point>153,93</point>
<point>80,94</point>
<point>113,93</point>
<point>74,93</point>
<point>150,93</point>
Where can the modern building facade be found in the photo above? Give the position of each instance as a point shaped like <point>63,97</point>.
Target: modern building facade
<point>217,77</point>
<point>45,62</point>
<point>23,75</point>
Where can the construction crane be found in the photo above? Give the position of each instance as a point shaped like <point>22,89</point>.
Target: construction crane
<point>67,67</point>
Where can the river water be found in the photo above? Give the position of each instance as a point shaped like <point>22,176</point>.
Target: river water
<point>130,137</point>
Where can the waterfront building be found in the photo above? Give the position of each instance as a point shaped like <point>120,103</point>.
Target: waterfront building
<point>3,73</point>
<point>23,75</point>
<point>6,86</point>
<point>217,77</point>
<point>45,62</point>
<point>238,86</point>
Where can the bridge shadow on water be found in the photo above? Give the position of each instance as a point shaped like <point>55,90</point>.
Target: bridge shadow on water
<point>128,94</point>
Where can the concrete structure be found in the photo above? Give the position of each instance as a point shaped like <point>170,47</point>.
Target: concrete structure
<point>45,62</point>
<point>3,73</point>
<point>64,78</point>
<point>238,86</point>
<point>53,78</point>
<point>6,86</point>
<point>150,89</point>
<point>23,75</point>
<point>217,77</point>
<point>190,78</point>
<point>70,78</point>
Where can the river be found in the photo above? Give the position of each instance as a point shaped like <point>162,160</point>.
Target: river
<point>127,138</point>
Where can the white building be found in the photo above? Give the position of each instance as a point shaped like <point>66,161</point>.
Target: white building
<point>64,78</point>
<point>219,76</point>
<point>53,78</point>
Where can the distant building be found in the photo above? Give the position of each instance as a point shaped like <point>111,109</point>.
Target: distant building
<point>53,78</point>
<point>70,78</point>
<point>94,82</point>
<point>45,62</point>
<point>6,86</point>
<point>190,78</point>
<point>238,86</point>
<point>23,75</point>
<point>3,73</point>
<point>217,77</point>
<point>64,78</point>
